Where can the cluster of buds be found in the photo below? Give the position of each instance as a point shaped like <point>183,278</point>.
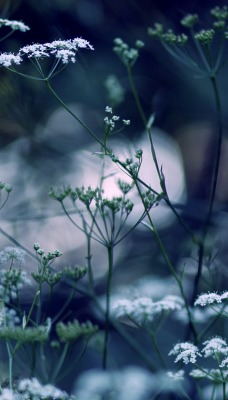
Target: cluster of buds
<point>149,200</point>
<point>48,276</point>
<point>25,335</point>
<point>125,187</point>
<point>110,121</point>
<point>60,194</point>
<point>74,330</point>
<point>127,55</point>
<point>205,36</point>
<point>46,259</point>
<point>75,273</point>
<point>116,204</point>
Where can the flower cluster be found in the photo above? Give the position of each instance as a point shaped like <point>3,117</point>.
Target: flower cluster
<point>49,276</point>
<point>186,352</point>
<point>127,55</point>
<point>14,25</point>
<point>75,273</point>
<point>215,347</point>
<point>33,389</point>
<point>13,256</point>
<point>157,32</point>
<point>45,259</point>
<point>11,281</point>
<point>74,330</point>
<point>110,122</point>
<point>213,374</point>
<point>6,186</point>
<point>24,335</point>
<point>62,50</point>
<point>144,309</point>
<point>129,383</point>
<point>210,298</point>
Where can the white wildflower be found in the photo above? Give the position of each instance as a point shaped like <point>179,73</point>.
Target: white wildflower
<point>198,373</point>
<point>121,308</point>
<point>12,254</point>
<point>108,109</point>
<point>142,310</point>
<point>11,281</point>
<point>126,121</point>
<point>7,394</point>
<point>170,303</point>
<point>215,346</point>
<point>34,50</point>
<point>224,362</point>
<point>207,298</point>
<point>82,43</point>
<point>34,388</point>
<point>8,59</point>
<point>224,295</point>
<point>66,56</point>
<point>131,383</point>
<point>64,50</point>
<point>115,118</point>
<point>179,375</point>
<point>210,374</point>
<point>14,25</point>
<point>187,352</point>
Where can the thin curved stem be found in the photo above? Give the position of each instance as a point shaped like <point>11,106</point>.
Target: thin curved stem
<point>71,112</point>
<point>107,312</point>
<point>213,188</point>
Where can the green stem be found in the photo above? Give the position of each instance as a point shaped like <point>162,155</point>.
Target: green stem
<point>153,229</point>
<point>107,313</point>
<point>60,363</point>
<point>10,366</point>
<point>224,390</point>
<point>143,117</point>
<point>156,348</point>
<point>164,195</point>
<point>213,188</point>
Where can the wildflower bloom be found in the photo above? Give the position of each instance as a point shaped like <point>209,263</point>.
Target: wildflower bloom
<point>32,388</point>
<point>131,383</point>
<point>224,363</point>
<point>14,25</point>
<point>7,394</point>
<point>207,298</point>
<point>210,374</point>
<point>144,309</point>
<point>178,375</point>
<point>186,352</point>
<point>8,59</point>
<point>11,281</point>
<point>13,254</point>
<point>215,346</point>
<point>63,51</point>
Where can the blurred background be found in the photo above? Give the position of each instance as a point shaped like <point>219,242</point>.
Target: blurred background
<point>41,146</point>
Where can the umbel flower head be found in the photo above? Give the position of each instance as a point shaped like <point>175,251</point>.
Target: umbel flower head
<point>14,25</point>
<point>63,51</point>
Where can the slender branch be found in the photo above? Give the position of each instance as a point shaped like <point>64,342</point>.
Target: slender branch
<point>213,188</point>
<point>107,313</point>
